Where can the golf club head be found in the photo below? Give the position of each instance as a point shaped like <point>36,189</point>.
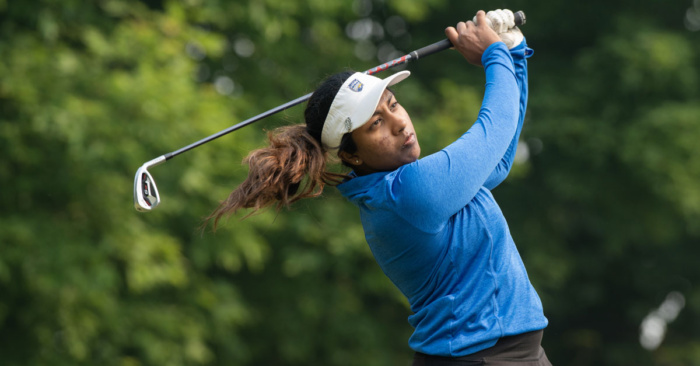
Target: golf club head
<point>146,196</point>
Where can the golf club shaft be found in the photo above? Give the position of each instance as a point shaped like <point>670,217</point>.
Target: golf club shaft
<point>146,197</point>
<point>414,55</point>
<point>425,51</point>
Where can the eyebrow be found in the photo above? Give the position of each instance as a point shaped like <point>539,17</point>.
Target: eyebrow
<point>388,101</point>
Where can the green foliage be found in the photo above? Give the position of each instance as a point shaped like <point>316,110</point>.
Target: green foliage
<point>604,208</point>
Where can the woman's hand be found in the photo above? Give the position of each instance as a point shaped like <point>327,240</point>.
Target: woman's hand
<point>472,40</point>
<point>502,21</point>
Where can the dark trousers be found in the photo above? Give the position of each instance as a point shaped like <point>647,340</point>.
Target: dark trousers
<point>521,350</point>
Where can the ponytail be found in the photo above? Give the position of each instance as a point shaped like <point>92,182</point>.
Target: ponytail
<point>292,167</point>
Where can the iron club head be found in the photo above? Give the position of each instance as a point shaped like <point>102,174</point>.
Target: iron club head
<point>146,196</point>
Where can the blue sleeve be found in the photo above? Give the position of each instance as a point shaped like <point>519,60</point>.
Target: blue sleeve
<point>520,54</point>
<point>429,191</point>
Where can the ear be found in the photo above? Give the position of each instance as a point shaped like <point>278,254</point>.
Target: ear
<point>351,159</point>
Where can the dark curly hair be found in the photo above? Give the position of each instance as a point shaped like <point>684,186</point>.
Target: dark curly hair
<point>293,166</point>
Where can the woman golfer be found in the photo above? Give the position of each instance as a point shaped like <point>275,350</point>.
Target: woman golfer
<point>431,223</point>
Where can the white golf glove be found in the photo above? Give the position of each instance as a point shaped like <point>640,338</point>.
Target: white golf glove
<point>503,22</point>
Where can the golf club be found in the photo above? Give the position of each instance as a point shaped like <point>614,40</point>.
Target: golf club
<point>146,196</point>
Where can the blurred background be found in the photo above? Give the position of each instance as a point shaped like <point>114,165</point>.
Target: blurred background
<point>603,202</point>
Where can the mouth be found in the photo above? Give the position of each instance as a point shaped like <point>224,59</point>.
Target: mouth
<point>410,140</point>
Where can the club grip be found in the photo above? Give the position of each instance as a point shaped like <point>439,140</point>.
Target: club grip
<point>518,18</point>
<point>430,49</point>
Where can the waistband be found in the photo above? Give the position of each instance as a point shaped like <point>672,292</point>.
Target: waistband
<point>521,346</point>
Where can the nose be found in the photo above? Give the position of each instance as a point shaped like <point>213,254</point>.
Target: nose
<point>398,124</point>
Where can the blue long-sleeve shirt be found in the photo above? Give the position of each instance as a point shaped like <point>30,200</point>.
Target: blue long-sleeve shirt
<point>438,234</point>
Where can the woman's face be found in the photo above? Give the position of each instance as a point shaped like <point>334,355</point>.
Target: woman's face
<point>385,142</point>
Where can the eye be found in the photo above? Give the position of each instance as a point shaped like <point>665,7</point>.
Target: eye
<point>377,122</point>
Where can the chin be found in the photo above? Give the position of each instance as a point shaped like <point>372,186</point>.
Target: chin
<point>415,153</point>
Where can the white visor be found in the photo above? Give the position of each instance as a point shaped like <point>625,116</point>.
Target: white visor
<point>354,104</point>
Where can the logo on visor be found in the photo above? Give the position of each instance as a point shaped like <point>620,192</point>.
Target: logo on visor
<point>355,85</point>
<point>348,124</point>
